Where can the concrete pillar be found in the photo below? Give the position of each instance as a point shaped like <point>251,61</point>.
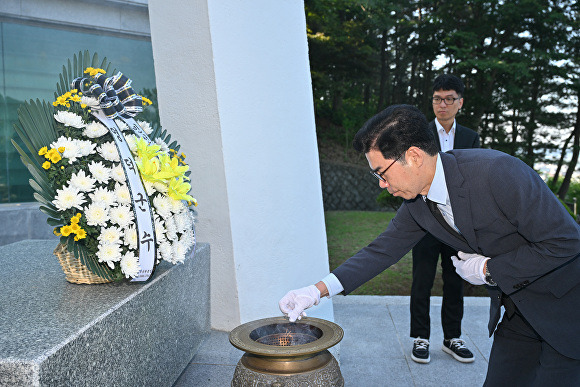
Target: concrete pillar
<point>234,89</point>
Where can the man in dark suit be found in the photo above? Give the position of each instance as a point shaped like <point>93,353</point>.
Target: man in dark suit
<point>447,100</point>
<point>511,232</point>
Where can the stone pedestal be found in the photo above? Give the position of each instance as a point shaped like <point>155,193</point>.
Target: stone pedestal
<point>53,333</point>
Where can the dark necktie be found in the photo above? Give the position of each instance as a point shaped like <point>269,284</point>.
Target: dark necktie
<point>439,216</point>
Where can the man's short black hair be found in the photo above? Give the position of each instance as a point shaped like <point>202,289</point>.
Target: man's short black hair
<point>449,82</point>
<point>394,130</point>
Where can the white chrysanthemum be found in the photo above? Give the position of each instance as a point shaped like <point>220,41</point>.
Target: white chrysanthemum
<point>97,214</point>
<point>164,148</point>
<point>179,251</point>
<point>110,235</point>
<point>121,215</point>
<point>109,253</point>
<point>159,229</point>
<point>82,182</point>
<point>130,265</point>
<point>118,174</point>
<point>171,229</point>
<point>132,142</point>
<point>122,193</point>
<point>72,149</point>
<point>86,147</point>
<point>104,196</point>
<point>69,119</point>
<point>188,239</point>
<point>68,197</point>
<point>101,173</point>
<point>161,187</point>
<point>166,251</point>
<point>178,206</point>
<point>90,101</point>
<point>121,125</point>
<point>182,222</point>
<point>145,126</point>
<point>149,188</point>
<point>130,237</point>
<point>162,206</point>
<point>108,151</point>
<point>95,130</point>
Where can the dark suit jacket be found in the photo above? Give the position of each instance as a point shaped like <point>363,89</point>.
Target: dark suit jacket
<point>464,137</point>
<point>506,212</point>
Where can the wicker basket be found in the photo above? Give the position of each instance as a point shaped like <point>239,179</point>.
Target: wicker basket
<point>74,270</point>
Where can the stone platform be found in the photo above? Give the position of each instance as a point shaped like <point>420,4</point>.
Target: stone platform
<point>54,333</point>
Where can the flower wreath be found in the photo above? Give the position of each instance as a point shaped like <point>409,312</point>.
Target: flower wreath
<point>81,180</point>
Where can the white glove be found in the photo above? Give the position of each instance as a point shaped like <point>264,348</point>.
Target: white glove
<point>296,301</point>
<point>470,267</point>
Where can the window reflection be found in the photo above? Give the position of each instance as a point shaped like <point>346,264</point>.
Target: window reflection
<point>31,58</point>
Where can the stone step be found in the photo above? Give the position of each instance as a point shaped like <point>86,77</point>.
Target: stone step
<point>54,333</point>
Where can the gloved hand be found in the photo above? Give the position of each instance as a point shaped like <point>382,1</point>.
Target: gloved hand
<point>470,267</point>
<point>296,301</point>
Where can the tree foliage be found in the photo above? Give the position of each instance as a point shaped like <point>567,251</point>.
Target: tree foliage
<point>519,61</point>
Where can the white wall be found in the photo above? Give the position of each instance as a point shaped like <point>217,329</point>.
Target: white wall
<point>234,87</point>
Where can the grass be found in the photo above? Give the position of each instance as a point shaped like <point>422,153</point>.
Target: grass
<point>349,231</point>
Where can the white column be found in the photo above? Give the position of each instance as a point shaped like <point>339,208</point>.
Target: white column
<point>234,88</point>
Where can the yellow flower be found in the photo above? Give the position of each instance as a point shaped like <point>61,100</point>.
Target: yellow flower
<point>62,167</point>
<point>92,71</point>
<point>178,190</point>
<point>65,230</point>
<point>42,151</point>
<point>61,149</point>
<point>83,105</point>
<point>55,158</point>
<point>81,234</point>
<point>55,232</point>
<point>46,165</point>
<point>75,228</point>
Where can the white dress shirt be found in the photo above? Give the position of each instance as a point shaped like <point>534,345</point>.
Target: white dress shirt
<point>447,140</point>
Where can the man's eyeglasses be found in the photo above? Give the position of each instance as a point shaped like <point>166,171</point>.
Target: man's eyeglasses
<point>448,100</point>
<point>379,175</point>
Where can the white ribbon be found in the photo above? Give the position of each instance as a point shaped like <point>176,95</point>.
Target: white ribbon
<point>139,199</point>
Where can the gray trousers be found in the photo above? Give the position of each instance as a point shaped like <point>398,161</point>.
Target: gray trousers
<point>520,357</point>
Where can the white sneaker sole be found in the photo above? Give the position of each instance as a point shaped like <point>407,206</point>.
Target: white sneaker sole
<point>458,358</point>
<point>418,360</point>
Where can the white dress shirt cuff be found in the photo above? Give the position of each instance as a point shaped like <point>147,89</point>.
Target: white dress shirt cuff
<point>332,284</point>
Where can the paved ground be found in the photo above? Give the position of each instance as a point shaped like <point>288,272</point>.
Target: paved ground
<point>376,347</point>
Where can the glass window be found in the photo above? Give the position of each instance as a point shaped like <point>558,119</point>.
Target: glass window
<point>31,60</point>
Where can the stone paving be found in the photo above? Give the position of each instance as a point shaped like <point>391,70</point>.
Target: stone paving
<point>376,349</point>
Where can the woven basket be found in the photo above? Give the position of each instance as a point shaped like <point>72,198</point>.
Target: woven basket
<point>74,270</point>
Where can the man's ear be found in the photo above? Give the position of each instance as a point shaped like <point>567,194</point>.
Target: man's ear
<point>415,156</point>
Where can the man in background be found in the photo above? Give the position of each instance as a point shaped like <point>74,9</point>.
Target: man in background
<point>447,100</point>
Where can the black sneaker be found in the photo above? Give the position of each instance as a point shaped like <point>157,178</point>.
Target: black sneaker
<point>457,349</point>
<point>420,352</point>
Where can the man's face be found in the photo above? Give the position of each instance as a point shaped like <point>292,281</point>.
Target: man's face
<point>402,180</point>
<point>445,112</point>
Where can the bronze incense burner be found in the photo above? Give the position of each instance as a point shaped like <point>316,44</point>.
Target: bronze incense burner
<point>279,353</point>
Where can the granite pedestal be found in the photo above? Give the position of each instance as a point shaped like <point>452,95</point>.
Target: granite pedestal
<point>54,333</point>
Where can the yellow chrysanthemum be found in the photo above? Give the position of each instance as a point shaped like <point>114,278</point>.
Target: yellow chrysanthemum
<point>93,71</point>
<point>42,151</point>
<point>81,234</point>
<point>65,230</point>
<point>55,158</point>
<point>75,227</point>
<point>46,165</point>
<point>61,149</point>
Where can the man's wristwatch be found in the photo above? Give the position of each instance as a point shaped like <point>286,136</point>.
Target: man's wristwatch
<point>488,278</point>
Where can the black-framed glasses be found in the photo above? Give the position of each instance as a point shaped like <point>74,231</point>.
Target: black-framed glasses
<point>379,175</point>
<point>448,100</point>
